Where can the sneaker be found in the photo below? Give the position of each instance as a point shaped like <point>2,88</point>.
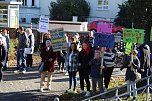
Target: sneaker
<point>87,94</point>
<point>24,71</point>
<point>66,74</point>
<point>41,90</point>
<point>81,91</point>
<point>69,90</point>
<point>74,91</point>
<point>16,71</point>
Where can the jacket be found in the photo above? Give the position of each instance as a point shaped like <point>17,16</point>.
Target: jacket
<point>2,55</point>
<point>22,41</point>
<point>74,62</point>
<point>46,55</point>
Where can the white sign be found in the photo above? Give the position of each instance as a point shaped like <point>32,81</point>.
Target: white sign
<point>43,24</point>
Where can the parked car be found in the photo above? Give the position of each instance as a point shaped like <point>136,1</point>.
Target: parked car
<point>115,29</point>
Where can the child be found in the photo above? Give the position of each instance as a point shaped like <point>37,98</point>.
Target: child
<point>95,72</point>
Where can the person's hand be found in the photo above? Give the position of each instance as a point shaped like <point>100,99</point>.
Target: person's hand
<point>79,64</point>
<point>142,70</point>
<point>102,67</point>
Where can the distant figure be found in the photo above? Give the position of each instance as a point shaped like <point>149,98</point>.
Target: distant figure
<point>22,44</point>
<point>2,58</point>
<point>48,57</point>
<point>7,46</point>
<point>29,59</point>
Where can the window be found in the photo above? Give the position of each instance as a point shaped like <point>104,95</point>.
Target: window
<point>24,2</point>
<point>33,3</point>
<point>103,4</point>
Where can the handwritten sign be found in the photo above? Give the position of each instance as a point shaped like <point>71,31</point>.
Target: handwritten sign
<point>43,24</point>
<point>104,28</point>
<point>133,35</point>
<point>104,40</point>
<point>59,41</point>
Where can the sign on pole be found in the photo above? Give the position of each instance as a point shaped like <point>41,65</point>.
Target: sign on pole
<point>104,28</point>
<point>133,35</point>
<point>59,41</point>
<point>104,40</point>
<point>43,24</point>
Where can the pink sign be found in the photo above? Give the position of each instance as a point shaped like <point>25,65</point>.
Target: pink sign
<point>104,28</point>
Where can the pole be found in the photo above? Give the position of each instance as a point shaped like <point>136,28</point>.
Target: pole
<point>102,57</point>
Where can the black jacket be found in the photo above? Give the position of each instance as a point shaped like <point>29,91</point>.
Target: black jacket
<point>2,54</point>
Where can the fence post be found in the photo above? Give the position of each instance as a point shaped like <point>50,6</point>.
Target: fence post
<point>117,95</point>
<point>147,92</point>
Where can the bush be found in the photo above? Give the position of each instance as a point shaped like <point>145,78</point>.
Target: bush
<point>13,45</point>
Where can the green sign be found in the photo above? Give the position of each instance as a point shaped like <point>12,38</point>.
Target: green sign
<point>59,41</point>
<point>151,35</point>
<point>133,35</point>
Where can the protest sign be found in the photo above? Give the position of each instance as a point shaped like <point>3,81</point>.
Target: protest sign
<point>133,35</point>
<point>43,24</point>
<point>104,28</point>
<point>117,38</point>
<point>104,40</point>
<point>59,41</point>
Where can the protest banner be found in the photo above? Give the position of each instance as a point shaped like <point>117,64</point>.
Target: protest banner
<point>56,30</point>
<point>104,40</point>
<point>133,35</point>
<point>59,41</point>
<point>104,28</point>
<point>43,24</point>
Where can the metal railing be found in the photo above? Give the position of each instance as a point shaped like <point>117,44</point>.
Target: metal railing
<point>119,97</point>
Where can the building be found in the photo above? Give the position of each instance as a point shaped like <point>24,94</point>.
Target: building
<point>104,9</point>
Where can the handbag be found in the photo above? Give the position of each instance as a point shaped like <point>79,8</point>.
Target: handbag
<point>41,66</point>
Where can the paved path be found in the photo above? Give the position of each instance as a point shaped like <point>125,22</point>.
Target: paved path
<point>24,87</point>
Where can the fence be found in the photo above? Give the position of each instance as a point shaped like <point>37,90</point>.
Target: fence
<point>119,93</point>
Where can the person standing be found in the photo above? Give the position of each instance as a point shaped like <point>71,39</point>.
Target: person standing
<point>6,41</point>
<point>132,67</point>
<point>2,58</point>
<point>29,59</point>
<point>85,56</point>
<point>72,65</point>
<point>60,60</point>
<point>96,76</point>
<point>48,57</point>
<point>109,58</point>
<point>22,44</point>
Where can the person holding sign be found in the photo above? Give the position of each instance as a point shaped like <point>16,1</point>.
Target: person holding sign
<point>96,76</point>
<point>85,56</point>
<point>72,65</point>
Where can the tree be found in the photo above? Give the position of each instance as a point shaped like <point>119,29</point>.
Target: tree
<point>137,13</point>
<point>65,9</point>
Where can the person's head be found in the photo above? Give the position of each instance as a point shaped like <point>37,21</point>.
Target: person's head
<point>1,42</point>
<point>71,39</point>
<point>20,29</point>
<point>109,50</point>
<point>85,46</point>
<point>97,54</point>
<point>135,52</point>
<point>146,49</point>
<point>48,43</point>
<point>48,35</point>
<point>4,32</point>
<point>28,31</point>
<point>73,47</point>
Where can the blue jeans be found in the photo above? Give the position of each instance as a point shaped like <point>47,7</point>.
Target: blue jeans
<point>21,56</point>
<point>72,75</point>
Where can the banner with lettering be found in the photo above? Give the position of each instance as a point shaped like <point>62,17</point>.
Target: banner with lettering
<point>104,40</point>
<point>59,41</point>
<point>133,35</point>
<point>104,28</point>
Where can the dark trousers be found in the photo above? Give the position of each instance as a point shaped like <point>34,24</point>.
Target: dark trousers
<point>29,60</point>
<point>107,75</point>
<point>1,76</point>
<point>72,75</point>
<point>21,56</point>
<point>100,84</point>
<point>84,76</point>
<point>59,63</point>
<point>6,60</point>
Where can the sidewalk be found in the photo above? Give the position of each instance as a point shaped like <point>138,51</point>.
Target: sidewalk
<point>24,87</point>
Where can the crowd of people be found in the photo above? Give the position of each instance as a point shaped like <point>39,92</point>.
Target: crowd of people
<point>87,61</point>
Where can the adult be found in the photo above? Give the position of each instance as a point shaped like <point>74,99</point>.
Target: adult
<point>22,44</point>
<point>48,57</point>
<point>29,59</point>
<point>46,36</point>
<point>72,65</point>
<point>132,67</point>
<point>6,41</point>
<point>109,58</point>
<point>85,56</point>
<point>2,58</point>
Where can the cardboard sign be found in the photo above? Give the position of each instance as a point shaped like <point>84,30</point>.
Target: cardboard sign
<point>43,24</point>
<point>59,41</point>
<point>104,28</point>
<point>104,40</point>
<point>117,38</point>
<point>133,35</point>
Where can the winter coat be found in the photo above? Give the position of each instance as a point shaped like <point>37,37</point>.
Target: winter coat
<point>46,55</point>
